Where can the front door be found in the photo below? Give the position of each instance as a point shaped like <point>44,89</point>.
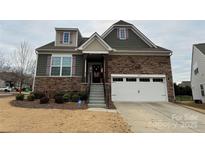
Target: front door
<point>96,73</point>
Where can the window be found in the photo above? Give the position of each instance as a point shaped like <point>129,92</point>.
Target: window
<point>202,90</point>
<point>144,79</point>
<point>122,33</point>
<point>196,71</point>
<point>157,79</point>
<point>131,79</point>
<point>66,37</point>
<point>61,66</point>
<point>117,79</point>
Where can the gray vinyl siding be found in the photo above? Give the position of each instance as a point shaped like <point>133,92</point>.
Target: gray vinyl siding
<point>43,66</point>
<point>132,43</point>
<point>78,65</point>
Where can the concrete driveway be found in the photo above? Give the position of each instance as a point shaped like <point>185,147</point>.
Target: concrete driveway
<point>161,117</point>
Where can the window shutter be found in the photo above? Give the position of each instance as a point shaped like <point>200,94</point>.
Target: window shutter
<point>118,36</point>
<point>74,66</point>
<point>70,38</point>
<point>127,33</point>
<point>61,37</point>
<point>48,65</point>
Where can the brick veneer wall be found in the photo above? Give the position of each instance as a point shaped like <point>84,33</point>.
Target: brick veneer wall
<point>57,84</point>
<point>129,64</point>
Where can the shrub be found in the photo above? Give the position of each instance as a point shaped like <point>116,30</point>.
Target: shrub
<point>59,94</point>
<point>75,97</point>
<point>83,96</point>
<point>59,99</point>
<point>38,95</point>
<point>20,97</point>
<point>30,97</point>
<point>44,100</point>
<point>67,97</point>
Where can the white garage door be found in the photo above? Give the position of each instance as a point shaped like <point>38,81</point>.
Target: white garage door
<point>138,88</point>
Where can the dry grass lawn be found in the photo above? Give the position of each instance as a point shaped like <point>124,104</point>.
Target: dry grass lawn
<point>27,120</point>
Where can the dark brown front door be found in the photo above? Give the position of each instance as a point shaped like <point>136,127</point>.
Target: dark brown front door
<point>96,73</point>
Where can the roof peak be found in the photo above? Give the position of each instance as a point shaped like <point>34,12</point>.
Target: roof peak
<point>122,22</point>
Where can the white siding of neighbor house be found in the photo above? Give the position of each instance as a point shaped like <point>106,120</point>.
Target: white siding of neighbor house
<point>2,83</point>
<point>198,60</point>
<point>95,46</point>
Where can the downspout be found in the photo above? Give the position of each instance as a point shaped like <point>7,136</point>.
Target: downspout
<point>172,77</point>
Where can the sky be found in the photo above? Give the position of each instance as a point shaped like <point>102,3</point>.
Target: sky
<point>178,36</point>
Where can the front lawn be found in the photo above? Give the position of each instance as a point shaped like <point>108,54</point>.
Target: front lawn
<point>39,120</point>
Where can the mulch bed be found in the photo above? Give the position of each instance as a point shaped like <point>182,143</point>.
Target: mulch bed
<point>51,105</point>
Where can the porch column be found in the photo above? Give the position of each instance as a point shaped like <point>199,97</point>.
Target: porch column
<point>84,72</point>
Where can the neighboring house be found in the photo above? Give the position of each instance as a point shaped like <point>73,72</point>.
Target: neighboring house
<point>120,65</point>
<point>198,72</point>
<point>2,83</point>
<point>185,84</point>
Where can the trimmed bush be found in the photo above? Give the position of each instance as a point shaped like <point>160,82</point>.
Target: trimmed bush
<point>20,97</point>
<point>83,96</point>
<point>75,97</point>
<point>59,99</point>
<point>30,97</point>
<point>44,100</point>
<point>38,95</point>
<point>67,97</point>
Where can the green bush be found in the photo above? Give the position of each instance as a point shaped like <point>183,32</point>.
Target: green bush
<point>20,97</point>
<point>30,97</point>
<point>67,97</point>
<point>75,97</point>
<point>38,95</point>
<point>83,96</point>
<point>44,100</point>
<point>61,93</point>
<point>59,99</point>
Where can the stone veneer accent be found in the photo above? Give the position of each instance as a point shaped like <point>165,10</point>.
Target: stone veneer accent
<point>130,64</point>
<point>52,85</point>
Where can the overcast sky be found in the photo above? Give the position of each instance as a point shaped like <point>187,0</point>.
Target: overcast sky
<point>177,36</point>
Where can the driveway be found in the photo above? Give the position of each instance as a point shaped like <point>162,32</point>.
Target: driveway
<point>161,117</point>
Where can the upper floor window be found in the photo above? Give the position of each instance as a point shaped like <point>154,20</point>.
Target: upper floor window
<point>196,71</point>
<point>122,33</point>
<point>66,37</point>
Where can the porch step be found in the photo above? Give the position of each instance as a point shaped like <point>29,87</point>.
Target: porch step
<point>96,97</point>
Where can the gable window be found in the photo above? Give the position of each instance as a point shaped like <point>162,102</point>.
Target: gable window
<point>61,66</point>
<point>196,71</point>
<point>122,33</point>
<point>202,90</point>
<point>66,37</point>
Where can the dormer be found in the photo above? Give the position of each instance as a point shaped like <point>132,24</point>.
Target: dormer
<point>67,37</point>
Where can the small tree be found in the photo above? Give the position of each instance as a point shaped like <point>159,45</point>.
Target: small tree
<point>24,62</point>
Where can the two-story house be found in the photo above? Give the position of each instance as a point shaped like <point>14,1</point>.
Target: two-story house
<point>120,65</point>
<point>198,72</point>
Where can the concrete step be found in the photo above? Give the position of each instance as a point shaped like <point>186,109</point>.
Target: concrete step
<point>97,94</point>
<point>96,98</point>
<point>96,101</point>
<point>97,105</point>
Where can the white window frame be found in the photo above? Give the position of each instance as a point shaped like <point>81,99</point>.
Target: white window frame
<point>120,30</point>
<point>61,65</point>
<point>68,37</point>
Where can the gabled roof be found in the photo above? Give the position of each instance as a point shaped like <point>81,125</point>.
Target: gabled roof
<point>121,22</point>
<point>201,47</point>
<point>137,32</point>
<point>92,38</point>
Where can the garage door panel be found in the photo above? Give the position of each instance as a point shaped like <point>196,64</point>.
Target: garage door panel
<point>139,91</point>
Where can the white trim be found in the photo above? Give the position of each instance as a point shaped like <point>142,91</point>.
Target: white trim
<point>76,42</point>
<point>135,30</point>
<point>139,75</point>
<point>61,56</point>
<point>68,38</point>
<point>34,78</point>
<point>119,33</point>
<point>96,52</point>
<point>89,41</point>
